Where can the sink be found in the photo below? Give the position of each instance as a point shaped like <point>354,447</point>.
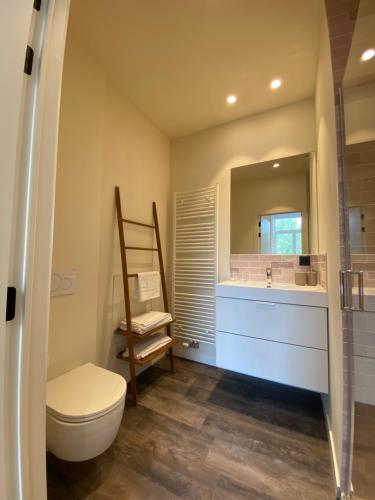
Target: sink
<point>287,293</point>
<point>274,285</point>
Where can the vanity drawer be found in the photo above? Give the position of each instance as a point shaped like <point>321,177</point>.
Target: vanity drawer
<point>287,364</point>
<point>299,325</point>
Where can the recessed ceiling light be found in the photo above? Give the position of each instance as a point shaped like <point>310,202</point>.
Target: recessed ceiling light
<point>231,99</point>
<point>276,165</point>
<point>368,54</point>
<point>275,84</point>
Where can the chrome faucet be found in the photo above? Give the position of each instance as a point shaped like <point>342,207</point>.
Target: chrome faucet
<point>269,276</point>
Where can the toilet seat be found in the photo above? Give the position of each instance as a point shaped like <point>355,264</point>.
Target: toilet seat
<point>85,418</point>
<point>85,393</point>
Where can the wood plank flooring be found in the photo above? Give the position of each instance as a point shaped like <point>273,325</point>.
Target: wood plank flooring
<point>364,452</point>
<point>205,433</point>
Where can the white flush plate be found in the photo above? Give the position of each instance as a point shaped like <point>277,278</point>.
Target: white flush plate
<point>63,282</point>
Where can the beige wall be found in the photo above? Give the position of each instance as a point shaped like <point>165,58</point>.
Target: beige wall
<point>103,141</point>
<point>329,241</point>
<point>269,195</point>
<point>206,158</point>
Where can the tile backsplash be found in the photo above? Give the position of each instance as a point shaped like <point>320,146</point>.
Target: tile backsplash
<point>365,263</point>
<point>252,267</point>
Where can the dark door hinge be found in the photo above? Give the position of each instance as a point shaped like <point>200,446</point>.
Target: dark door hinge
<point>37,4</point>
<point>11,303</point>
<point>28,68</point>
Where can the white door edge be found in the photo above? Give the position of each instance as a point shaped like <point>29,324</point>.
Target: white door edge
<point>37,307</point>
<point>23,362</point>
<point>15,26</point>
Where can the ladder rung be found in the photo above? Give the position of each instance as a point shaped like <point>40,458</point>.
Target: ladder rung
<point>128,221</point>
<point>135,275</point>
<point>142,248</point>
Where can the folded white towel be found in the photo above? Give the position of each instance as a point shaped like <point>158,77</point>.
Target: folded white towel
<point>146,321</point>
<point>148,285</point>
<point>146,346</point>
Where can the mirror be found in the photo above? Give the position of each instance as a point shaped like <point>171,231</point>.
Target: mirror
<point>359,108</point>
<point>274,206</point>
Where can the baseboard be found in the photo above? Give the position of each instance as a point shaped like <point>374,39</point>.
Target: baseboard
<point>334,460</point>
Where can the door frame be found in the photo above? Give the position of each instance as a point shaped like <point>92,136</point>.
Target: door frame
<point>23,370</point>
<point>37,319</point>
<point>14,31</point>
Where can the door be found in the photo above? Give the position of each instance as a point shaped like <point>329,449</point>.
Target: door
<point>358,283</point>
<point>16,21</point>
<point>32,46</point>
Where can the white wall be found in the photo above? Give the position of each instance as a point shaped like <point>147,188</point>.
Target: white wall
<point>329,241</point>
<point>266,195</point>
<point>103,141</point>
<point>206,158</point>
<point>76,237</point>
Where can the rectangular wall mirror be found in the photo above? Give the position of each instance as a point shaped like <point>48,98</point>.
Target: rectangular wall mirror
<point>359,107</point>
<point>274,207</point>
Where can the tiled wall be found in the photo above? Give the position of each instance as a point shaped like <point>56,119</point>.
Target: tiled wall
<point>365,263</point>
<point>252,267</point>
<point>364,357</point>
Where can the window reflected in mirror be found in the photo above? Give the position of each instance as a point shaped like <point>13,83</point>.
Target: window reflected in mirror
<point>281,233</point>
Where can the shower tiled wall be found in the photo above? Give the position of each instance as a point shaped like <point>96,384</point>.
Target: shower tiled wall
<point>364,357</point>
<point>252,267</point>
<point>365,263</point>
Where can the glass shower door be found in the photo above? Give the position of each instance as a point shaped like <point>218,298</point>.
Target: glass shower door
<point>358,284</point>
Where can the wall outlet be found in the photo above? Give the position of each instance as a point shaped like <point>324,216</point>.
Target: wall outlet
<point>63,282</point>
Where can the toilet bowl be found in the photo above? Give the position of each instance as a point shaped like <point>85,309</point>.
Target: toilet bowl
<point>84,412</point>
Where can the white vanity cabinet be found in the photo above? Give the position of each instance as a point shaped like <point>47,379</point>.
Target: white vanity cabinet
<point>273,340</point>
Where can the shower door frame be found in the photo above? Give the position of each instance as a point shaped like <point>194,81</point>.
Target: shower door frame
<point>341,18</point>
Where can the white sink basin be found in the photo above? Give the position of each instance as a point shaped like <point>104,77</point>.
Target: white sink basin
<point>287,293</point>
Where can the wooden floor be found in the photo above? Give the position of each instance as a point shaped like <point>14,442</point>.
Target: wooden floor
<point>205,433</point>
<point>364,452</point>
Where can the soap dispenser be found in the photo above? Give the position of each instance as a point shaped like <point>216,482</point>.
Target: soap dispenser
<point>312,277</point>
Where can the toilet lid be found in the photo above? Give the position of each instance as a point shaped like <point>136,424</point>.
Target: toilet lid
<point>84,393</point>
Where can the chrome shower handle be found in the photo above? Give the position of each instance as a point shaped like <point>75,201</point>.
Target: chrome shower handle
<point>361,291</point>
<point>346,293</point>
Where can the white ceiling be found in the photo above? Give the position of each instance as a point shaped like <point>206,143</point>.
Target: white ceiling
<point>177,60</point>
<point>358,72</point>
<point>288,166</point>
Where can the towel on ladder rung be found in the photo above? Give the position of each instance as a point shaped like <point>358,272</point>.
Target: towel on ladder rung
<point>147,321</point>
<point>148,285</point>
<point>144,347</point>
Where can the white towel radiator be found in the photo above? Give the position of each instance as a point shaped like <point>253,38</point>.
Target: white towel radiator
<point>195,273</point>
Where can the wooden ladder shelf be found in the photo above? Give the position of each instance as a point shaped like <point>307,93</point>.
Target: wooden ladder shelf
<point>128,333</point>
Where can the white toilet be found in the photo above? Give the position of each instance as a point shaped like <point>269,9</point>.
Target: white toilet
<point>84,412</point>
